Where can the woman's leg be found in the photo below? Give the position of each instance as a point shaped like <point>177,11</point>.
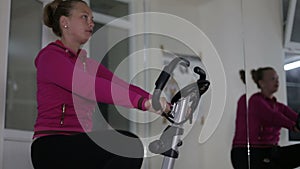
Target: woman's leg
<point>239,158</point>
<point>83,151</point>
<point>261,158</point>
<point>126,149</point>
<point>67,152</point>
<point>287,156</point>
<point>258,158</point>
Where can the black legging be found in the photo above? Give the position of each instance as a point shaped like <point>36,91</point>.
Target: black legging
<point>285,157</point>
<point>81,152</point>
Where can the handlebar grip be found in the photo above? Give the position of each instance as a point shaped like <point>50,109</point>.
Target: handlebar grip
<point>163,79</point>
<point>171,66</point>
<point>155,100</point>
<point>200,72</point>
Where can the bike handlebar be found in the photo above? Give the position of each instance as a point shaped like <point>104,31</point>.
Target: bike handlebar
<point>163,79</point>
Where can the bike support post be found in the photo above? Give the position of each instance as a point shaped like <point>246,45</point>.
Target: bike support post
<point>181,110</point>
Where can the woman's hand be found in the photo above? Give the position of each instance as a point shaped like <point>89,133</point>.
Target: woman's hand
<point>297,126</point>
<point>296,129</point>
<point>164,104</point>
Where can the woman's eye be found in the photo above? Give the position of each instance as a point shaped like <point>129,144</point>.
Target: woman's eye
<point>85,17</point>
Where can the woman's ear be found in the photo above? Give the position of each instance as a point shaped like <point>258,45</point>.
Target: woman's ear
<point>64,24</point>
<point>261,83</point>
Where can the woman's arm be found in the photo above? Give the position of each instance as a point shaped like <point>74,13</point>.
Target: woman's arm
<point>107,74</point>
<point>54,67</point>
<point>268,115</point>
<point>288,112</point>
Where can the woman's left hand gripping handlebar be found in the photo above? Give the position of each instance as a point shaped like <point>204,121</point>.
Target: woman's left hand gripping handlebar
<point>166,107</point>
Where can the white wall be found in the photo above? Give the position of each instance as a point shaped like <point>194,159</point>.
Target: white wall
<point>263,39</point>
<point>220,20</point>
<point>236,28</point>
<point>16,151</point>
<point>264,44</point>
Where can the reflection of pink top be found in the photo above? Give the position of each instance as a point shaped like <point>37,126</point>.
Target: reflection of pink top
<point>266,118</point>
<point>240,136</point>
<point>68,87</point>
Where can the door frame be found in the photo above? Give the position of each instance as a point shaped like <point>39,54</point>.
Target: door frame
<point>4,34</point>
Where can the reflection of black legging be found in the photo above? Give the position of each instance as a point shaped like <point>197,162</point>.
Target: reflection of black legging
<point>285,157</point>
<point>81,152</point>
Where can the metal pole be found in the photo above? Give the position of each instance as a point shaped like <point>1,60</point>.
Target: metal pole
<point>180,112</point>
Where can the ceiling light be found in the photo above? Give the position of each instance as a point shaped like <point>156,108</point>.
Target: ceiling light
<point>292,65</point>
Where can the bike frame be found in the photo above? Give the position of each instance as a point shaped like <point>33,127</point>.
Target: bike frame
<point>180,110</point>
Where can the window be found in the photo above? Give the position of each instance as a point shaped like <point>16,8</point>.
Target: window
<point>291,20</point>
<point>293,88</point>
<point>24,43</point>
<point>291,16</point>
<point>112,7</point>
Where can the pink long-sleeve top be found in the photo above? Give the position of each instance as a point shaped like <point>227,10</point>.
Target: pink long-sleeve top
<point>266,117</point>
<point>68,87</point>
<point>240,136</point>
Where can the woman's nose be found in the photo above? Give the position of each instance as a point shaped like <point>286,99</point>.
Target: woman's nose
<point>92,24</point>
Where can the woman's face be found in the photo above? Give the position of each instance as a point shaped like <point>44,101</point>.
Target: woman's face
<point>270,81</point>
<point>80,23</point>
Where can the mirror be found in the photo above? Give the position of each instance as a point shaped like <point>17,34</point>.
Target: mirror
<point>264,47</point>
<point>208,144</point>
<point>226,34</point>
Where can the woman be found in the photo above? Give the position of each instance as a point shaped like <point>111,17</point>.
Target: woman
<point>240,131</point>
<point>68,87</point>
<point>266,117</point>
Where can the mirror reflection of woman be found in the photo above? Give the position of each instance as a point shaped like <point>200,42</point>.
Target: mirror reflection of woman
<point>239,155</point>
<point>266,117</point>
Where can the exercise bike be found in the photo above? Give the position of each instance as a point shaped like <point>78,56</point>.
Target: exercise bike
<point>183,105</point>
